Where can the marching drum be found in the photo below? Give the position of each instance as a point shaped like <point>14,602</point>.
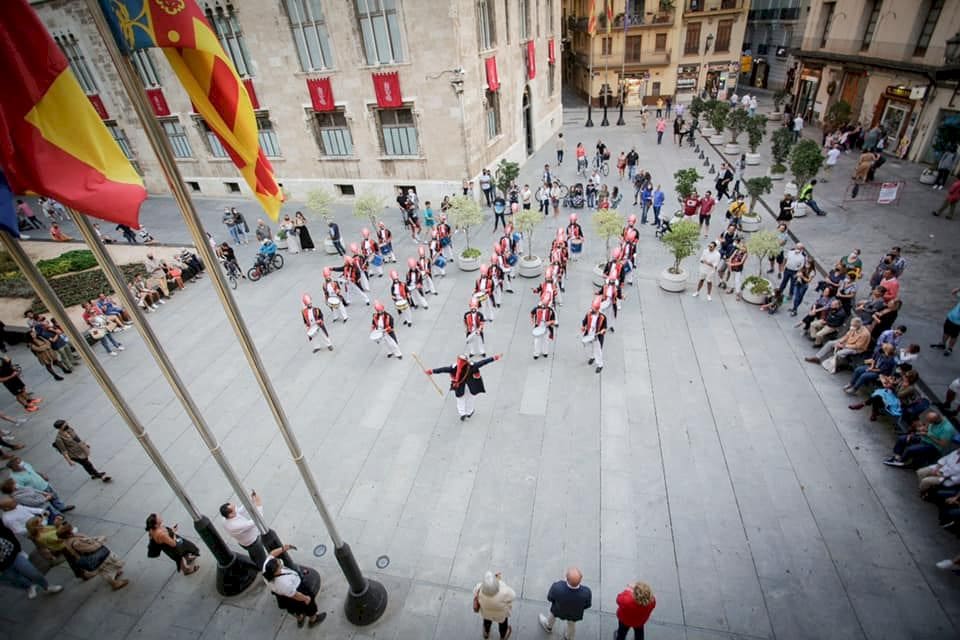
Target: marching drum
<point>588,338</point>
<point>386,249</point>
<point>312,331</point>
<point>445,241</point>
<point>576,245</point>
<point>377,260</point>
<point>333,302</point>
<point>480,297</point>
<point>402,305</point>
<point>605,304</point>
<point>539,330</point>
<point>441,262</point>
<point>376,335</point>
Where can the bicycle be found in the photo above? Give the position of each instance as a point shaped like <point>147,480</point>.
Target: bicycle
<point>233,272</point>
<point>564,190</point>
<point>603,167</point>
<point>263,266</point>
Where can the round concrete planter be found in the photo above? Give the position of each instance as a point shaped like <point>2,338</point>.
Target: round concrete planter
<point>707,130</point>
<point>754,298</point>
<point>732,149</point>
<point>800,210</point>
<point>468,264</point>
<point>753,159</point>
<point>281,244</point>
<point>790,188</point>
<point>717,139</point>
<point>673,282</point>
<point>775,175</point>
<point>328,246</point>
<point>749,225</point>
<point>775,116</point>
<point>530,267</point>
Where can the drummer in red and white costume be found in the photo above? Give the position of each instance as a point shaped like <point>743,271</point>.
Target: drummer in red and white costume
<point>612,294</point>
<point>483,292</point>
<point>548,288</point>
<point>313,319</point>
<point>628,252</point>
<point>371,252</point>
<point>543,316</point>
<point>574,237</point>
<point>501,261</point>
<point>351,279</point>
<point>415,284</point>
<point>473,325</point>
<point>507,243</point>
<point>631,224</point>
<point>550,273</point>
<point>401,298</point>
<point>445,236</point>
<point>498,277</point>
<point>334,295</point>
<point>383,321</point>
<point>436,253</point>
<point>594,326</point>
<point>614,266</point>
<point>426,271</point>
<point>385,238</point>
<point>361,262</point>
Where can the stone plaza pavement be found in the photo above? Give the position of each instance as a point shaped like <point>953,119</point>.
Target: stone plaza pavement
<point>707,459</point>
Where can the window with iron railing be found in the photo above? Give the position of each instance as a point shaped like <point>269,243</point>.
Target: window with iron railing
<point>871,27</point>
<point>724,31</point>
<point>934,8</point>
<point>634,46</point>
<point>691,45</point>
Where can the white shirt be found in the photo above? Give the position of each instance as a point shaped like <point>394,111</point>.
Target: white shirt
<point>745,101</point>
<point>284,584</point>
<point>832,156</point>
<point>241,528</point>
<point>795,260</point>
<point>798,123</point>
<point>16,519</point>
<point>710,259</point>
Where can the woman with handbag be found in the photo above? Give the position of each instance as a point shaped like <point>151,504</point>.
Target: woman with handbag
<point>45,354</point>
<point>166,540</point>
<point>493,600</point>
<point>92,556</point>
<point>296,592</point>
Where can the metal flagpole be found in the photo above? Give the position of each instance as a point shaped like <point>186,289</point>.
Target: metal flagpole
<point>623,68</point>
<point>589,122</point>
<point>118,282</point>
<point>367,599</point>
<point>234,573</point>
<point>605,87</point>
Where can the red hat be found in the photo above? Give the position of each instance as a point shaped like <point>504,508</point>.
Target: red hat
<point>411,262</point>
<point>305,299</point>
<point>473,303</point>
<point>327,272</point>
<point>615,253</point>
<point>354,248</point>
<point>497,249</point>
<point>484,268</point>
<point>632,219</point>
<point>548,273</point>
<point>378,305</point>
<point>365,232</point>
<point>573,217</point>
<point>347,260</point>
<point>597,302</point>
<point>394,275</point>
<point>632,235</point>
<point>422,251</point>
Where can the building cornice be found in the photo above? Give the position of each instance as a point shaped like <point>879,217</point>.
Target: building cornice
<point>934,72</point>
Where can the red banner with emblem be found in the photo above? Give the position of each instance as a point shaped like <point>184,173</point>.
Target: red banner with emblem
<point>551,51</point>
<point>158,102</point>
<point>387,88</point>
<point>248,84</point>
<point>98,106</point>
<point>321,94</point>
<point>493,80</point>
<point>531,61</point>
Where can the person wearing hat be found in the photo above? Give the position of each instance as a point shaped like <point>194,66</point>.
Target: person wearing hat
<point>331,289</point>
<point>75,451</point>
<point>313,320</point>
<point>484,287</point>
<point>383,321</point>
<point>493,600</point>
<point>415,285</point>
<point>385,237</point>
<point>465,381</point>
<point>473,325</point>
<point>401,295</point>
<point>543,314</point>
<point>595,325</point>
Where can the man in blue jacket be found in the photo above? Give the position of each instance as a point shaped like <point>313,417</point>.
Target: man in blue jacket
<point>568,600</point>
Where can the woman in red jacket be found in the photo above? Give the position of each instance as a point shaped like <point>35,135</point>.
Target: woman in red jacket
<point>634,606</point>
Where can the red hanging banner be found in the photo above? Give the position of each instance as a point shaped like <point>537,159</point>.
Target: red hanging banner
<point>551,51</point>
<point>248,84</point>
<point>321,94</point>
<point>387,88</point>
<point>531,61</point>
<point>158,102</point>
<point>493,80</point>
<point>98,106</point>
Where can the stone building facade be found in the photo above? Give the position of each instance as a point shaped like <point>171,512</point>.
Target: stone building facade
<point>896,62</point>
<point>477,81</point>
<point>654,48</point>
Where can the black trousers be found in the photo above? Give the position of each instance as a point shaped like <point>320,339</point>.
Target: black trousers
<point>88,467</point>
<point>501,626</point>
<point>499,217</point>
<point>339,247</point>
<point>257,552</point>
<point>623,630</point>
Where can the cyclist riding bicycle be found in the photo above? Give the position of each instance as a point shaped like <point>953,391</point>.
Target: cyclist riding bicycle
<point>229,260</point>
<point>266,252</point>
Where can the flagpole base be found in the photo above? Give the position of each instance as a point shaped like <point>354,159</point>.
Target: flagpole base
<point>604,122</point>
<point>620,120</point>
<point>235,573</point>
<point>589,122</point>
<point>366,599</point>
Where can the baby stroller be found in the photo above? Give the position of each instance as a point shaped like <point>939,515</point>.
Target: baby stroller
<point>574,197</point>
<point>662,228</point>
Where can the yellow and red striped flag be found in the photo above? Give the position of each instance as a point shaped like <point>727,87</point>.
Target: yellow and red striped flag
<point>52,142</point>
<point>608,5</point>
<point>208,75</point>
<point>592,18</point>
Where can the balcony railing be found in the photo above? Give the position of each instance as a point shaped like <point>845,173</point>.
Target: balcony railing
<point>900,52</point>
<point>636,20</point>
<point>711,6</point>
<point>650,58</point>
<point>761,15</point>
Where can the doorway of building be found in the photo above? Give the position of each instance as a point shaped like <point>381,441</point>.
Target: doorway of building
<point>892,121</point>
<point>527,121</point>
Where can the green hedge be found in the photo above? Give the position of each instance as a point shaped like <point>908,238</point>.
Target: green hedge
<point>75,288</point>
<point>69,262</point>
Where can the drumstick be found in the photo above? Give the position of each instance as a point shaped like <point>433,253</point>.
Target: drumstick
<point>432,381</point>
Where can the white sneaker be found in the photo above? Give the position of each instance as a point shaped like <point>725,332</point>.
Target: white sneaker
<point>947,565</point>
<point>709,298</point>
<point>114,353</point>
<point>694,294</point>
<point>54,588</point>
<point>162,301</point>
<point>121,348</point>
<point>32,592</point>
<point>543,623</point>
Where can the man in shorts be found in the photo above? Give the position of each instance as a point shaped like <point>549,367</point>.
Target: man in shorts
<point>951,328</point>
<point>707,202</point>
<point>709,265</point>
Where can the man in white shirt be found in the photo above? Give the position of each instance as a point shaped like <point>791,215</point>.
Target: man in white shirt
<point>832,155</point>
<point>709,263</point>
<point>793,262</point>
<point>945,472</point>
<point>15,515</point>
<point>243,529</point>
<point>797,127</point>
<point>156,276</point>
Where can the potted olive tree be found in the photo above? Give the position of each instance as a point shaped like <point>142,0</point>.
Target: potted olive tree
<point>505,174</point>
<point>756,129</point>
<point>705,107</point>
<point>320,202</point>
<point>465,213</point>
<point>526,220</point>
<point>368,207</point>
<point>686,182</point>
<point>805,161</point>
<point>762,245</point>
<point>718,116</point>
<point>682,240</point>
<point>608,224</point>
<point>756,187</point>
<point>737,122</point>
<point>779,97</point>
<point>780,144</point>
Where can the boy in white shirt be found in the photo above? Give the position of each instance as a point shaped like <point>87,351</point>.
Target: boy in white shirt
<point>832,155</point>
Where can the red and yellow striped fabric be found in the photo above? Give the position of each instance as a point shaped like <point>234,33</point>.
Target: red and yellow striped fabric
<point>592,18</point>
<point>52,142</point>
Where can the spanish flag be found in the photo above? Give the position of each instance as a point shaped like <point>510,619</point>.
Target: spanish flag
<point>52,142</point>
<point>207,73</point>
<point>592,18</point>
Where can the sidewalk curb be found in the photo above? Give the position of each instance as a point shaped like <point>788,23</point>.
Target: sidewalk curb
<point>926,390</point>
